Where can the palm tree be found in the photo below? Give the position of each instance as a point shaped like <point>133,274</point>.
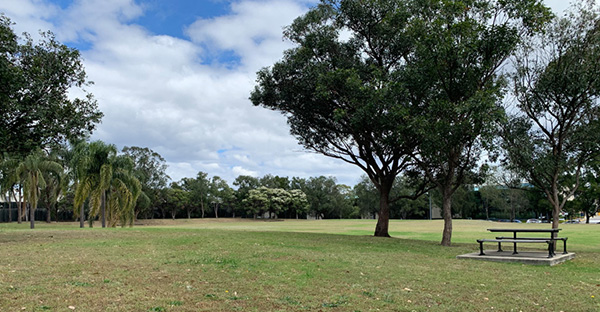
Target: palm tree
<point>55,183</point>
<point>107,180</point>
<point>30,171</point>
<point>123,192</point>
<point>94,172</point>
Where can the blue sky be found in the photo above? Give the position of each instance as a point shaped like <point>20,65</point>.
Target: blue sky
<point>175,76</point>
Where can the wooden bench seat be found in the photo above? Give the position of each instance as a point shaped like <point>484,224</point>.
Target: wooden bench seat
<point>515,242</point>
<point>564,239</point>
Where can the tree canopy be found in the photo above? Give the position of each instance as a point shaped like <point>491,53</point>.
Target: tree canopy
<point>389,85</point>
<point>555,129</point>
<point>35,78</point>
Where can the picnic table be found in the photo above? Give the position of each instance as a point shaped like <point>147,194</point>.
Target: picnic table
<point>551,241</point>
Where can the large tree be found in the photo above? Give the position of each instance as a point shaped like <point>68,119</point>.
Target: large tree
<point>343,89</point>
<point>460,48</point>
<point>555,129</point>
<point>35,79</point>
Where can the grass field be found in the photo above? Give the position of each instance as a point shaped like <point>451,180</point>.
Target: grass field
<point>291,265</point>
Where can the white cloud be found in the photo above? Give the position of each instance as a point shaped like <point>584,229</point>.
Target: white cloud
<point>253,31</point>
<point>238,171</point>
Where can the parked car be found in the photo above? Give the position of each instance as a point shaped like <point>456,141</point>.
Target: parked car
<point>534,221</point>
<point>517,221</point>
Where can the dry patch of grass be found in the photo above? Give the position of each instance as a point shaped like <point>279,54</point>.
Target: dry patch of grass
<point>247,265</point>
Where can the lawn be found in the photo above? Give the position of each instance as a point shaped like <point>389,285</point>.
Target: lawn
<point>291,265</point>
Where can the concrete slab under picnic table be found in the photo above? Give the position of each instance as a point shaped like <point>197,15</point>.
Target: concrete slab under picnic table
<point>527,257</point>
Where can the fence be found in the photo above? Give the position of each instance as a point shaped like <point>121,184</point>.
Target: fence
<point>40,215</point>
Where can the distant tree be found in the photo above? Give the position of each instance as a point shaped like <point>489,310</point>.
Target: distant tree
<point>123,191</point>
<point>30,171</point>
<point>279,201</point>
<point>199,189</point>
<point>587,196</point>
<point>257,201</point>
<point>244,185</point>
<point>298,202</point>
<point>186,185</point>
<point>555,130</point>
<point>343,201</point>
<point>177,199</point>
<point>8,181</point>
<point>150,169</point>
<point>35,79</point>
<point>272,201</point>
<point>271,181</point>
<point>367,198</point>
<point>95,171</point>
<point>106,178</point>
<point>219,193</point>
<point>56,183</point>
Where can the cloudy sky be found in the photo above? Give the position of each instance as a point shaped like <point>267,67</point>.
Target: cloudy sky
<point>175,76</point>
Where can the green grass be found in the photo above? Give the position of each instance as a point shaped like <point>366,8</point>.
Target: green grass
<point>330,265</point>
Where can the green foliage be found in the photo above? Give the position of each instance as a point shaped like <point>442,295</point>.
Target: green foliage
<point>587,196</point>
<point>410,83</point>
<point>107,180</point>
<point>30,172</point>
<point>149,169</point>
<point>34,81</point>
<point>344,98</point>
<point>244,184</point>
<point>198,189</point>
<point>367,200</point>
<point>556,129</point>
<point>220,194</point>
<point>177,200</point>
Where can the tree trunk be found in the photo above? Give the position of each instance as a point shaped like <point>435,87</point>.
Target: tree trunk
<point>217,211</point>
<point>189,213</point>
<point>7,198</point>
<point>31,217</point>
<point>19,213</point>
<point>447,214</point>
<point>381,229</point>
<point>587,218</point>
<point>555,216</point>
<point>20,206</point>
<point>103,208</point>
<point>82,217</point>
<point>202,208</point>
<point>48,216</point>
